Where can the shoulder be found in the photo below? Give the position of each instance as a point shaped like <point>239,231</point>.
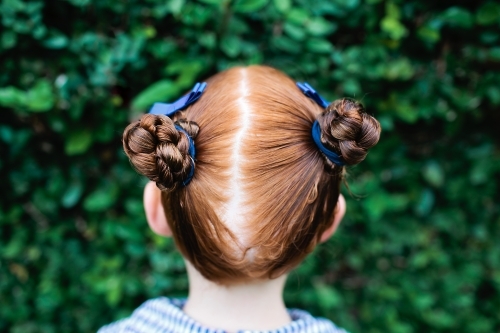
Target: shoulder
<point>155,315</point>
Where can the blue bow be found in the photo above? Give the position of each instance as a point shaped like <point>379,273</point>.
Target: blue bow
<point>312,94</point>
<point>316,129</point>
<point>170,109</point>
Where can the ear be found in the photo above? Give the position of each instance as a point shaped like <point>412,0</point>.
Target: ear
<point>338,215</point>
<point>154,210</point>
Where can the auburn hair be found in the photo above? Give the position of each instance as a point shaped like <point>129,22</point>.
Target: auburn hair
<point>262,192</point>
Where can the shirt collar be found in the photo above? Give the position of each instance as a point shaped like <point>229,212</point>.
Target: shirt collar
<point>165,315</point>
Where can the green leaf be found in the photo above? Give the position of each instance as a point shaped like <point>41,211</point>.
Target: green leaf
<point>395,29</point>
<point>440,319</point>
<point>101,199</point>
<point>398,202</point>
<point>207,39</point>
<point>391,22</point>
<point>386,123</point>
<point>319,26</point>
<point>214,2</point>
<point>392,10</point>
<point>494,53</point>
<point>402,109</point>
<point>11,97</point>
<point>423,301</point>
<point>231,45</point>
<point>282,5</point>
<point>457,17</point>
<point>433,173</point>
<point>176,8</point>
<point>493,93</point>
<point>78,142</point>
<point>80,3</point>
<point>72,195</point>
<point>375,206</point>
<point>40,98</point>
<point>187,69</point>
<point>56,42</point>
<point>351,86</point>
<point>400,69</point>
<point>297,16</point>
<point>7,134</point>
<point>318,45</point>
<point>294,31</point>
<point>286,44</point>
<point>425,203</point>
<point>488,13</point>
<point>480,173</point>
<point>428,34</point>
<point>160,91</point>
<point>248,6</point>
<point>348,4</point>
<point>13,248</point>
<point>114,290</point>
<point>328,298</point>
<point>9,39</point>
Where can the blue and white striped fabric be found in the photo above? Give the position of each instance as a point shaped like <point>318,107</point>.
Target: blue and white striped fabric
<point>164,315</point>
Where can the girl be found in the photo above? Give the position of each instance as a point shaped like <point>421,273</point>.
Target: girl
<point>246,178</point>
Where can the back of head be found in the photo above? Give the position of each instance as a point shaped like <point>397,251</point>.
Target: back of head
<point>262,193</point>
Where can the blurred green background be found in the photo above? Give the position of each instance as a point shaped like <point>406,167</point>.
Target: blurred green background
<point>419,249</point>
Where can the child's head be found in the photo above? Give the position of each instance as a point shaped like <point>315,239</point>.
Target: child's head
<point>262,195</point>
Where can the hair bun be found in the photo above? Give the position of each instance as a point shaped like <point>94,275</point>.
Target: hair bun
<point>348,130</point>
<point>158,150</point>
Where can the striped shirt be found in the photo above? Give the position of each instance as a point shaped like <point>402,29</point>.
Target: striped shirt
<point>164,315</point>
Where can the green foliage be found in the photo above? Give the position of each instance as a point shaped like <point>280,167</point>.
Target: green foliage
<point>418,250</point>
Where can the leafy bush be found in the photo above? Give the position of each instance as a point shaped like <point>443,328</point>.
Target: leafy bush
<point>418,250</point>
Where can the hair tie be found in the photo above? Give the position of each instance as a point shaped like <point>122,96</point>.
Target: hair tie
<point>332,156</point>
<point>192,154</point>
<point>316,129</point>
<point>170,109</point>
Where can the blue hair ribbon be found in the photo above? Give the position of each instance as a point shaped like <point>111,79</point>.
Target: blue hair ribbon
<point>312,94</point>
<point>169,110</point>
<point>316,129</point>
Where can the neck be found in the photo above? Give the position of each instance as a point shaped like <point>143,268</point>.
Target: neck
<point>255,305</point>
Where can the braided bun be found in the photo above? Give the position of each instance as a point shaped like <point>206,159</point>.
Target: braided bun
<point>158,150</point>
<point>347,130</point>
